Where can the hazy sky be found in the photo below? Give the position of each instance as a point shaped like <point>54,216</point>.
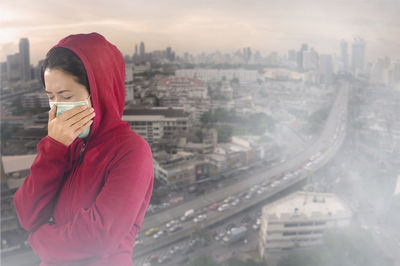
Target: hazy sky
<point>195,26</point>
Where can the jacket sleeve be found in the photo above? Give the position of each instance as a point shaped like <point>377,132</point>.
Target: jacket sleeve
<point>97,230</point>
<point>34,200</point>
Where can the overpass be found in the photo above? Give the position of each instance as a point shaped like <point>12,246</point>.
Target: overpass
<point>327,144</point>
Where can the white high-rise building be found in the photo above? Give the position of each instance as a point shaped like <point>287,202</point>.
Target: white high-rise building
<point>25,59</point>
<point>344,52</point>
<point>358,56</point>
<point>299,220</point>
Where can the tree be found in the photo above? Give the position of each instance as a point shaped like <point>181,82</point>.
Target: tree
<point>317,119</point>
<point>225,133</point>
<point>202,234</point>
<point>203,260</point>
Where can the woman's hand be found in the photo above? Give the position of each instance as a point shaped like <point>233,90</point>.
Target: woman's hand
<point>67,126</point>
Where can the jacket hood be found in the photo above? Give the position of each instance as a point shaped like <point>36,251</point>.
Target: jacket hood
<point>105,68</point>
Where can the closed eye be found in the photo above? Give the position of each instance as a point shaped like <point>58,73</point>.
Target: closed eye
<point>66,98</point>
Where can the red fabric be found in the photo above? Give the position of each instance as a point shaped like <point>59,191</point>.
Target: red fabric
<point>99,205</point>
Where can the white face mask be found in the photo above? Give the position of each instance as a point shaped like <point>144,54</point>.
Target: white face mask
<point>65,106</point>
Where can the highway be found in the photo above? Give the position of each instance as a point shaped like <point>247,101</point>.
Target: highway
<point>327,144</point>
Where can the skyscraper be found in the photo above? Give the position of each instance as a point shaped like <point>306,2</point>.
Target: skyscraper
<point>325,68</point>
<point>14,67</point>
<point>304,47</point>
<point>344,56</point>
<point>25,59</point>
<point>142,51</point>
<point>358,56</point>
<point>310,59</point>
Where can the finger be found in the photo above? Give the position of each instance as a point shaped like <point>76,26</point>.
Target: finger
<point>52,112</point>
<point>72,112</point>
<point>78,117</point>
<point>82,121</point>
<point>83,127</point>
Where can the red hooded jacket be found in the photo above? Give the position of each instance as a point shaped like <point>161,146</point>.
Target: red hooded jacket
<point>85,203</point>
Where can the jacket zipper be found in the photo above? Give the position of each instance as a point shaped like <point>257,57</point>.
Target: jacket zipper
<point>73,174</point>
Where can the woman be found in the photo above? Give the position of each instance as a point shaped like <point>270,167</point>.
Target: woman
<point>91,182</point>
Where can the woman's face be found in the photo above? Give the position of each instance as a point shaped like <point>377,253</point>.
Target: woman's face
<point>62,87</point>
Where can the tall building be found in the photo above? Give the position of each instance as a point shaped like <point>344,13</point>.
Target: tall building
<point>13,67</point>
<point>25,59</point>
<point>310,60</point>
<point>304,47</point>
<point>344,56</point>
<point>247,54</point>
<point>325,68</point>
<point>358,56</point>
<point>169,54</point>
<point>142,50</point>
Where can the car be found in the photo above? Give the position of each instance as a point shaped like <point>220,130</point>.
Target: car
<point>219,236</point>
<point>174,249</point>
<point>260,190</point>
<point>273,184</point>
<point>255,187</point>
<point>223,207</point>
<point>230,226</point>
<point>164,259</point>
<point>214,206</point>
<point>175,228</point>
<point>151,231</point>
<point>228,199</point>
<point>171,223</point>
<point>138,242</point>
<point>248,196</point>
<point>235,202</point>
<point>200,218</point>
<point>159,233</point>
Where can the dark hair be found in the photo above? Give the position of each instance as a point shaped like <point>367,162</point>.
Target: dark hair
<point>65,60</point>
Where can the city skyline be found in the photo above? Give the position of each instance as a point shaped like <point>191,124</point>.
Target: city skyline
<point>192,27</point>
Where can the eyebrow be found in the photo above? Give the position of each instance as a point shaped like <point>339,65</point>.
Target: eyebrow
<point>48,92</point>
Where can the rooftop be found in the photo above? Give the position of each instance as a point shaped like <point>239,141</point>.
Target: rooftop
<point>306,205</point>
<point>167,112</point>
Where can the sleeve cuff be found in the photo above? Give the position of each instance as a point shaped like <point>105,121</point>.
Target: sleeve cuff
<point>48,143</point>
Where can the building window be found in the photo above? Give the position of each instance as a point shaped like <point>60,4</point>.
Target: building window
<point>289,233</point>
<point>306,224</point>
<point>291,224</point>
